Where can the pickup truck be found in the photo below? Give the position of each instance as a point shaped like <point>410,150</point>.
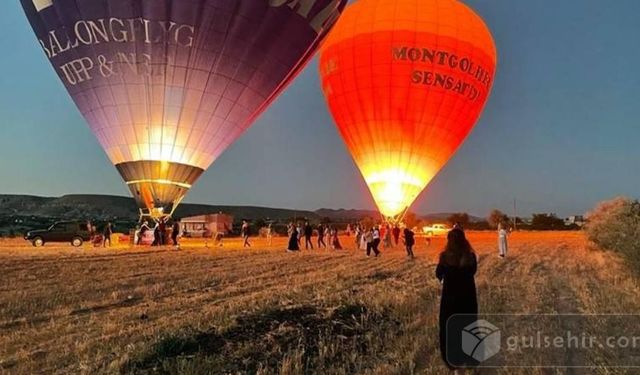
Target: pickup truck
<point>436,230</point>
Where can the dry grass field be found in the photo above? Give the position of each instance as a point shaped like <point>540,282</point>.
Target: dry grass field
<point>229,310</point>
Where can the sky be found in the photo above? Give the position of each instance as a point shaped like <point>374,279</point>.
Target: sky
<point>559,133</point>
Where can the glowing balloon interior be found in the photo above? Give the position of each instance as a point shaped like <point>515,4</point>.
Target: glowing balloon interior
<point>167,85</point>
<point>406,81</point>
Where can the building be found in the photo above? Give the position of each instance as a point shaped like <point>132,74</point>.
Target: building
<point>575,220</point>
<point>206,225</point>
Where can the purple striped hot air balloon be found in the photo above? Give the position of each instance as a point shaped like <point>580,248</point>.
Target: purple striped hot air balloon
<point>167,85</point>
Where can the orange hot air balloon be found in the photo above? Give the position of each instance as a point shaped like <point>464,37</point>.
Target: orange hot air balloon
<point>406,81</point>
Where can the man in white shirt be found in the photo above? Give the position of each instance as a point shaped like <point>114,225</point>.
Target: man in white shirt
<point>502,241</point>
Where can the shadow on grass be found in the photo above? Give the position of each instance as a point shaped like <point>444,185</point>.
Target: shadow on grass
<point>318,339</point>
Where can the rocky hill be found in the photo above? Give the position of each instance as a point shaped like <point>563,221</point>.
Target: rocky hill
<point>103,207</point>
<point>108,207</point>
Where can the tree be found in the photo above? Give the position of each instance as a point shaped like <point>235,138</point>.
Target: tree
<point>497,217</point>
<point>547,222</point>
<point>461,218</point>
<point>614,225</point>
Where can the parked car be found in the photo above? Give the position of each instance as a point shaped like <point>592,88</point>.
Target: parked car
<point>436,230</point>
<point>74,233</point>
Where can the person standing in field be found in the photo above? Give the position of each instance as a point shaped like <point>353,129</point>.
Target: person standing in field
<point>293,239</point>
<point>143,230</point>
<point>502,241</point>
<point>162,232</point>
<point>219,236</point>
<point>156,235</point>
<point>327,235</point>
<point>321,243</point>
<point>396,234</point>
<point>308,233</point>
<point>108,231</point>
<point>358,235</point>
<point>270,234</point>
<point>387,237</point>
<point>244,231</point>
<point>364,239</point>
<point>290,229</point>
<point>456,271</point>
<point>175,233</point>
<point>409,241</point>
<point>92,233</point>
<point>376,240</point>
<point>371,242</point>
<point>458,225</point>
<point>335,240</point>
<point>300,232</point>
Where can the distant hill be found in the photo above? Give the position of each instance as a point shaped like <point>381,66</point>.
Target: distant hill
<point>68,206</point>
<point>346,215</point>
<point>355,215</point>
<point>108,207</point>
<point>245,212</point>
<point>104,207</point>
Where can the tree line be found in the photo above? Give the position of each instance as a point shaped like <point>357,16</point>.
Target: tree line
<point>539,221</point>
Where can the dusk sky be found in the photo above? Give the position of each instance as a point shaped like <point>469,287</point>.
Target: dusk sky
<point>560,131</point>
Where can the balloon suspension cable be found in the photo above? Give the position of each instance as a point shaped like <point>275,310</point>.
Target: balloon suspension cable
<point>146,215</point>
<point>397,219</point>
<point>158,214</point>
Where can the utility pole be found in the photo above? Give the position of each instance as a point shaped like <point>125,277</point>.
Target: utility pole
<point>515,216</point>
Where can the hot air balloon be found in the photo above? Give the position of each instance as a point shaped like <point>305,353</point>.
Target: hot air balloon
<point>406,81</point>
<point>167,85</point>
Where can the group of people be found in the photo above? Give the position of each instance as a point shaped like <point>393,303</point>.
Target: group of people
<point>161,233</point>
<point>456,269</point>
<point>369,239</point>
<point>100,238</point>
<point>306,232</point>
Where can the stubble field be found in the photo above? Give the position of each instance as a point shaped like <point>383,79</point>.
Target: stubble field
<point>230,310</point>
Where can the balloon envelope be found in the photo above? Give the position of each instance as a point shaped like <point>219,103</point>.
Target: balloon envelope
<point>167,85</point>
<point>406,81</point>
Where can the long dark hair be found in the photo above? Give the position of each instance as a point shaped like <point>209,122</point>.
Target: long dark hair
<point>458,251</point>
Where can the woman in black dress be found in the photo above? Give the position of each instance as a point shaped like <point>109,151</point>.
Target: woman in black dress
<point>456,270</point>
<point>293,239</point>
